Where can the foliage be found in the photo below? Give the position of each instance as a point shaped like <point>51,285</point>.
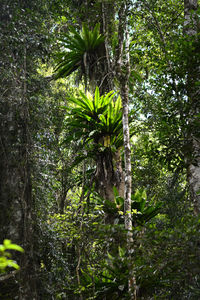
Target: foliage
<point>5,257</point>
<point>142,209</point>
<point>111,280</point>
<point>97,119</point>
<point>162,95</point>
<point>72,231</point>
<point>167,260</point>
<point>79,50</point>
<point>75,250</point>
<point>161,241</point>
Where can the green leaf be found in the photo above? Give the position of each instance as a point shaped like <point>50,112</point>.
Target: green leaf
<point>122,252</point>
<point>13,264</point>
<point>8,245</point>
<point>115,191</point>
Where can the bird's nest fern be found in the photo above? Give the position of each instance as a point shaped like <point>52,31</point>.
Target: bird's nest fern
<point>78,51</point>
<point>97,119</point>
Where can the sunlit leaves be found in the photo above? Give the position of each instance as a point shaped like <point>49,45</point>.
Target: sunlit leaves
<point>97,119</point>
<point>5,256</point>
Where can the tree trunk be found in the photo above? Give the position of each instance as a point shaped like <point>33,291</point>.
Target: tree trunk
<point>109,173</point>
<point>191,27</point>
<point>123,74</point>
<point>16,203</point>
<point>16,220</point>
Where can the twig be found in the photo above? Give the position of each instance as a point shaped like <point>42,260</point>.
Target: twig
<point>8,276</point>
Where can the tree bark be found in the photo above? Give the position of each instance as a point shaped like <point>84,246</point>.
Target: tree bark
<point>191,28</point>
<point>123,74</point>
<point>109,173</point>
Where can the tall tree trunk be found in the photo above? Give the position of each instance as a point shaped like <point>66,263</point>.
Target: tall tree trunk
<point>123,74</point>
<point>16,203</point>
<point>27,275</point>
<point>16,221</point>
<point>191,27</point>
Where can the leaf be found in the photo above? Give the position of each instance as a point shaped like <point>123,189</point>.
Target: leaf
<point>8,245</point>
<point>144,195</point>
<point>121,287</point>
<point>122,252</point>
<point>12,263</point>
<point>96,99</point>
<point>110,256</point>
<point>2,248</point>
<point>136,212</point>
<point>198,192</point>
<point>115,191</point>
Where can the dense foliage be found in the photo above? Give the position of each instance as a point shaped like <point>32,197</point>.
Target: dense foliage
<point>62,178</point>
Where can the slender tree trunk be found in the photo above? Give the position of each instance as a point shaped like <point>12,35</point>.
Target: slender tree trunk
<point>123,74</point>
<point>191,27</point>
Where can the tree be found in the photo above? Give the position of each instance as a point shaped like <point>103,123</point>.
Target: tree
<point>99,120</point>
<point>123,74</point>
<point>191,28</point>
<point>21,45</point>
